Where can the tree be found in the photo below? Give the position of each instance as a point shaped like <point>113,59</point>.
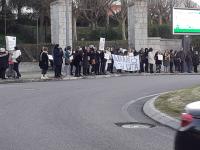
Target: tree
<point>121,16</point>
<point>93,9</point>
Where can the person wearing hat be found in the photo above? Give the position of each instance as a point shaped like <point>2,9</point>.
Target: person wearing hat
<point>3,62</point>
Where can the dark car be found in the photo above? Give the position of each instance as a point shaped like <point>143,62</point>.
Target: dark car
<point>188,136</point>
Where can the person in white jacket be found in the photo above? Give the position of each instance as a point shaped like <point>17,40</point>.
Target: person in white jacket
<point>151,60</point>
<point>16,58</point>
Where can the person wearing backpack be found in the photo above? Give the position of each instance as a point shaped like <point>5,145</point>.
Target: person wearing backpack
<point>17,58</point>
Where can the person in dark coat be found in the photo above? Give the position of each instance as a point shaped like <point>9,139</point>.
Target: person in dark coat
<point>188,60</point>
<point>85,61</point>
<point>58,60</point>
<point>171,54</point>
<point>97,62</point>
<point>181,60</point>
<point>142,60</point>
<point>77,61</point>
<point>103,63</point>
<point>3,62</point>
<point>195,60</point>
<point>44,62</point>
<point>146,51</point>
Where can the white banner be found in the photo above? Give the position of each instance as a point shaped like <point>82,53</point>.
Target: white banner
<point>102,44</point>
<point>10,43</point>
<point>160,57</point>
<point>126,63</point>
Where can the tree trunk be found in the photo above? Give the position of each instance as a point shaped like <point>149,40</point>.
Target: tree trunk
<point>74,29</point>
<point>123,28</point>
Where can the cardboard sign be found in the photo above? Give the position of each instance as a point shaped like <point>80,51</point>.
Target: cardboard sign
<point>10,43</point>
<point>102,44</point>
<point>160,57</point>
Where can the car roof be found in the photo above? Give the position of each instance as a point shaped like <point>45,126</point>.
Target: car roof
<point>193,108</point>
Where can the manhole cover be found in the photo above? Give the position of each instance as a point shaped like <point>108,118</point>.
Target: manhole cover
<point>134,125</point>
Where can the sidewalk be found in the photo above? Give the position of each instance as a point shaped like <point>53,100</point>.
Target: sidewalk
<point>31,72</point>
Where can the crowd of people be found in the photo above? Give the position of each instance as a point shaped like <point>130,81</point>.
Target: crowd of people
<point>9,63</point>
<point>91,61</point>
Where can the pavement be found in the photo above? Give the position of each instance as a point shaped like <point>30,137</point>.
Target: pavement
<point>31,73</point>
<point>82,114</point>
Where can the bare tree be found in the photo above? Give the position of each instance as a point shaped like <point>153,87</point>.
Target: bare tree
<point>121,16</point>
<point>93,9</point>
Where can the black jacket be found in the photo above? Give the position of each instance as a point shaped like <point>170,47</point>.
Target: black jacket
<point>4,60</point>
<point>57,56</point>
<point>44,61</point>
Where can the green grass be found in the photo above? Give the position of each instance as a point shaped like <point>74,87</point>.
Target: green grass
<point>173,103</point>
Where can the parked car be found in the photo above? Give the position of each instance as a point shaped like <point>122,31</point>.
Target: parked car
<point>188,136</point>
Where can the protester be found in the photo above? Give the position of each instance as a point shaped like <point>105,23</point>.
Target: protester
<point>188,60</point>
<point>103,63</point>
<point>16,57</point>
<point>57,57</point>
<point>146,60</point>
<point>158,62</point>
<point>77,62</point>
<point>142,60</point>
<point>166,61</point>
<point>44,62</point>
<point>176,61</point>
<point>195,60</point>
<point>85,61</point>
<point>3,62</point>
<point>67,54</point>
<point>181,57</point>
<point>171,55</point>
<point>151,60</point>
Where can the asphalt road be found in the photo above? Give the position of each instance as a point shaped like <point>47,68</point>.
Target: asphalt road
<point>81,114</point>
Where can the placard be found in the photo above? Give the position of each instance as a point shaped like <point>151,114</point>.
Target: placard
<point>10,43</point>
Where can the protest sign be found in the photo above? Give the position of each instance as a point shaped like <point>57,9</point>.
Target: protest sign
<point>102,44</point>
<point>126,63</point>
<point>10,43</point>
<point>160,57</point>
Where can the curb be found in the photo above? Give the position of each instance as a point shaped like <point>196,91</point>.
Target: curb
<point>25,80</point>
<point>150,110</point>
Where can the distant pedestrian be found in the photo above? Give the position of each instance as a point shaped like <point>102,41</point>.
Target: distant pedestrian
<point>44,62</point>
<point>17,58</point>
<point>171,54</point>
<point>158,62</point>
<point>188,60</point>
<point>151,60</point>
<point>146,51</point>
<point>57,57</point>
<point>166,61</point>
<point>67,55</point>
<point>195,60</point>
<point>3,62</point>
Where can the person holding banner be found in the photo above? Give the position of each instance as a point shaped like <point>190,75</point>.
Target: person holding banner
<point>3,62</point>
<point>16,57</point>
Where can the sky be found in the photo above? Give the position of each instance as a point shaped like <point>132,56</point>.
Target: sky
<point>197,1</point>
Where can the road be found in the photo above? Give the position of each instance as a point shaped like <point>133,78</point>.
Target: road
<point>81,114</point>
